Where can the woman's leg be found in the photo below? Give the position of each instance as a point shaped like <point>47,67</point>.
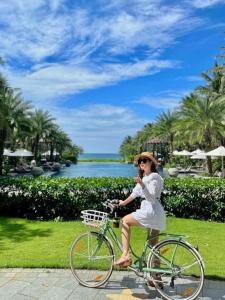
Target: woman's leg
<point>153,236</point>
<point>128,221</point>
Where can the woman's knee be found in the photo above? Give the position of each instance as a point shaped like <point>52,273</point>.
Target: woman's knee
<point>129,220</point>
<point>125,222</point>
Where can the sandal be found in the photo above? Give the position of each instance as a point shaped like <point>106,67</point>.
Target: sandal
<point>123,263</point>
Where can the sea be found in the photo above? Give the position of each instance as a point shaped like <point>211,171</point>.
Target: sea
<point>93,156</point>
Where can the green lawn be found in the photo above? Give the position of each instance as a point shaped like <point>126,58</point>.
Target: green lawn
<point>46,244</point>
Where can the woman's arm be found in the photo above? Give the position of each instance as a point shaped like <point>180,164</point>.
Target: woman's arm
<point>135,193</point>
<point>125,202</point>
<point>150,189</point>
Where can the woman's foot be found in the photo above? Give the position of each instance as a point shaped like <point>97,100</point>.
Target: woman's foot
<point>123,262</point>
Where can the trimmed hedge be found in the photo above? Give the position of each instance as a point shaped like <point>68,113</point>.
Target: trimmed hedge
<point>197,198</point>
<point>63,198</point>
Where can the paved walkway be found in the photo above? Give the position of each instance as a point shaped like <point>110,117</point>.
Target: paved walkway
<point>57,284</point>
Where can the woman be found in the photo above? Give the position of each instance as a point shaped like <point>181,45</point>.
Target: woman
<point>151,213</point>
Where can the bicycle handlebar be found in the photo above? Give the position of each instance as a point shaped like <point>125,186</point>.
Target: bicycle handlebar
<point>111,204</point>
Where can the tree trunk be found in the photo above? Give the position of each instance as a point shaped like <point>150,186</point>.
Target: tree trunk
<point>51,152</point>
<point>2,143</point>
<point>208,140</point>
<point>36,143</point>
<point>209,164</point>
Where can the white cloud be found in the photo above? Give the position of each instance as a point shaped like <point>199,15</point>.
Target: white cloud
<point>99,126</point>
<point>38,29</point>
<point>53,81</point>
<point>168,99</point>
<point>53,50</point>
<point>205,3</point>
<point>194,78</point>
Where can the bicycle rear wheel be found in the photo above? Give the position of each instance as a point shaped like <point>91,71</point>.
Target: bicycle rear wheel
<point>91,259</point>
<point>179,270</point>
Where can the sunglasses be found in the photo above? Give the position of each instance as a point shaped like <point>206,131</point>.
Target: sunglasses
<point>143,160</point>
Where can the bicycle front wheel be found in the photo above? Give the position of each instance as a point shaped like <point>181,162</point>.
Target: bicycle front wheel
<point>91,259</point>
<point>179,272</point>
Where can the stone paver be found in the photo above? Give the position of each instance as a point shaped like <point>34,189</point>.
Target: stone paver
<point>56,284</point>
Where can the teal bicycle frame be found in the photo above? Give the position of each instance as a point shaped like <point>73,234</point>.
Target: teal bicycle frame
<point>140,264</point>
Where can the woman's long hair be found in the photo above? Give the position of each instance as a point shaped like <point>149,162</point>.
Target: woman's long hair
<point>141,172</point>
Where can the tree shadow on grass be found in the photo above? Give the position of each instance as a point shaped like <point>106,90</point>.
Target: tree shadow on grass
<point>19,232</point>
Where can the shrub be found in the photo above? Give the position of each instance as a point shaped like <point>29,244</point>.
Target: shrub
<point>197,198</point>
<point>64,198</point>
<point>47,198</point>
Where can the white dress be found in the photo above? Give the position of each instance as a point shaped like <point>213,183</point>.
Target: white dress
<point>151,213</point>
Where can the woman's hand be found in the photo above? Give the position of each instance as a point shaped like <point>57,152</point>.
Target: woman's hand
<point>138,179</point>
<point>121,203</point>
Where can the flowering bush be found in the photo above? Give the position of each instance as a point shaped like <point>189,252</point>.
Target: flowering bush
<point>47,198</point>
<point>63,198</point>
<point>197,198</point>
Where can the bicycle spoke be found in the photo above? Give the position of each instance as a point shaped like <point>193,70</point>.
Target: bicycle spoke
<point>93,266</point>
<point>187,274</point>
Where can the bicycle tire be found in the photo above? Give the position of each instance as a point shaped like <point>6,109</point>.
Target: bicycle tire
<point>187,277</point>
<point>91,259</point>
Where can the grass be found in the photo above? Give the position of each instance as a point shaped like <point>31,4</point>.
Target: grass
<point>26,243</point>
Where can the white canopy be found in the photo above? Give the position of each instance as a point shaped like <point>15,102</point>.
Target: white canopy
<point>199,156</point>
<point>182,153</point>
<point>48,153</point>
<point>7,152</point>
<point>175,152</point>
<point>21,152</point>
<point>197,151</point>
<point>220,151</point>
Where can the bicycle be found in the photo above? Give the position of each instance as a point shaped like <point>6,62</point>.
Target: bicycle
<point>174,266</point>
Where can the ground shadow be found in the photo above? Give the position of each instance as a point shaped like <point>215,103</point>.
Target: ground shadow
<point>19,232</point>
<point>137,287</point>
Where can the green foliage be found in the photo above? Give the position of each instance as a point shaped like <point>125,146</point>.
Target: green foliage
<point>195,198</point>
<point>64,198</point>
<point>71,153</point>
<point>47,198</point>
<point>128,149</point>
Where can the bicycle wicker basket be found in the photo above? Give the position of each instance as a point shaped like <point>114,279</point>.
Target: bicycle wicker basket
<point>93,218</point>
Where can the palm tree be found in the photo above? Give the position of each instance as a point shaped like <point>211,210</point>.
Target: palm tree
<point>201,120</point>
<point>215,87</point>
<point>13,114</point>
<point>71,152</point>
<point>142,136</point>
<point>128,149</point>
<point>41,124</point>
<point>164,127</point>
<point>215,82</point>
<point>57,139</point>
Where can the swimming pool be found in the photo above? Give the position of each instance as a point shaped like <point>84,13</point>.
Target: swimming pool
<point>97,169</point>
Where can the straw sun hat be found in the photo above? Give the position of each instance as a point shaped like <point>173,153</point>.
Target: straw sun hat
<point>148,155</point>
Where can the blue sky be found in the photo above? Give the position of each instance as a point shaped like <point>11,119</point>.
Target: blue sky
<point>102,68</point>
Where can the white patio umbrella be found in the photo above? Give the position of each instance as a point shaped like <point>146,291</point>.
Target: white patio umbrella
<point>198,156</point>
<point>183,153</point>
<point>197,151</point>
<point>21,153</point>
<point>48,153</point>
<point>175,152</point>
<point>220,151</point>
<point>7,152</point>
